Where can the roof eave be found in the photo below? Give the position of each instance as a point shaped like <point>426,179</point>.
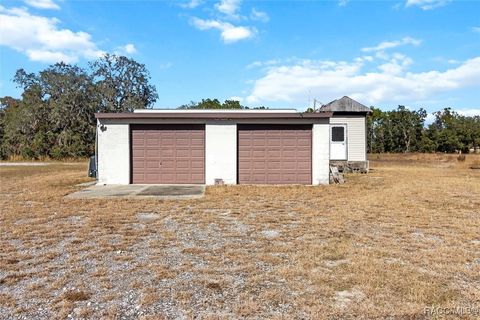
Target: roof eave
<point>212,116</point>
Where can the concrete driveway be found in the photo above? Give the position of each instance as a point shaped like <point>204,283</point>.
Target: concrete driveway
<point>140,191</point>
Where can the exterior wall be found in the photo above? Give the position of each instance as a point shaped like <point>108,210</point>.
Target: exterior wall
<point>113,153</point>
<point>221,152</point>
<point>356,135</point>
<point>320,153</point>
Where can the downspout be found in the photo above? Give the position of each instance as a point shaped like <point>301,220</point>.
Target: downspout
<point>96,151</point>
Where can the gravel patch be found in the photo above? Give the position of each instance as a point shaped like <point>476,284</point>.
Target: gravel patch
<point>147,217</point>
<point>346,297</point>
<point>270,233</point>
<point>335,263</point>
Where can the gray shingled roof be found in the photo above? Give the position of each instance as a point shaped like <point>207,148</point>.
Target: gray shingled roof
<point>344,104</point>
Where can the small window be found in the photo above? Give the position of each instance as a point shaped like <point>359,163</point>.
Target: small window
<point>338,134</point>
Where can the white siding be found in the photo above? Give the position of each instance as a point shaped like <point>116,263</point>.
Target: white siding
<point>220,152</point>
<point>356,136</point>
<point>113,153</point>
<point>320,154</point>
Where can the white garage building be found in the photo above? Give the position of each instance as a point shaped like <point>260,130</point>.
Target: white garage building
<point>215,146</point>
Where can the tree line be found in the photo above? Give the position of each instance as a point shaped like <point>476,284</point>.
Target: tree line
<point>216,104</point>
<point>404,130</point>
<point>54,118</point>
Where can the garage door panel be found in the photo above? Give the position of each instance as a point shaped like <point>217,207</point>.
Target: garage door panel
<point>198,176</point>
<point>258,178</point>
<point>152,164</point>
<point>138,176</point>
<point>182,142</point>
<point>259,165</point>
<point>243,154</point>
<point>182,164</point>
<point>181,177</point>
<point>289,165</point>
<point>303,142</point>
<point>244,167</point>
<point>197,153</point>
<point>150,153</point>
<point>138,152</point>
<point>303,166</point>
<point>276,165</point>
<point>139,142</point>
<point>244,143</point>
<point>138,165</point>
<point>168,164</point>
<point>289,142</point>
<point>168,153</point>
<point>274,142</point>
<point>304,176</point>
<point>152,142</point>
<point>182,153</point>
<point>288,154</point>
<point>259,142</point>
<point>274,154</point>
<point>197,164</point>
<point>197,142</point>
<point>303,153</point>
<point>168,177</point>
<point>258,154</point>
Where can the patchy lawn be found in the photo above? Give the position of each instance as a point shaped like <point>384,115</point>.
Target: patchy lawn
<point>384,245</point>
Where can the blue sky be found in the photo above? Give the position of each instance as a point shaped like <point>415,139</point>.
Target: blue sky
<point>420,53</point>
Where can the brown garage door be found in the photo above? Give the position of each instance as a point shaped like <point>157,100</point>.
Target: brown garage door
<point>170,153</point>
<point>274,154</point>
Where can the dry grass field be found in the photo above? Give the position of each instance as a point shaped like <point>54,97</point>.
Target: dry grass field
<point>385,245</point>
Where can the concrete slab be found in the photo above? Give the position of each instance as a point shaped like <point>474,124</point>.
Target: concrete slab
<point>161,192</point>
<point>175,190</point>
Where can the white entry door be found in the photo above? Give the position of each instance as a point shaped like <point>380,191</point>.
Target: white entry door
<point>338,142</point>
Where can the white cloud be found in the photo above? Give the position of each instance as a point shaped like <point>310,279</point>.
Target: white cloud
<point>127,49</point>
<point>48,56</point>
<point>192,4</point>
<point>43,4</point>
<point>259,15</point>
<point>468,112</point>
<point>41,39</point>
<point>396,65</point>
<point>236,98</point>
<point>228,32</point>
<point>343,3</point>
<point>388,82</point>
<point>427,4</point>
<point>430,118</point>
<point>268,63</point>
<point>166,65</point>
<point>476,29</point>
<point>393,44</point>
<point>229,7</point>
<point>130,48</point>
<point>230,11</point>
